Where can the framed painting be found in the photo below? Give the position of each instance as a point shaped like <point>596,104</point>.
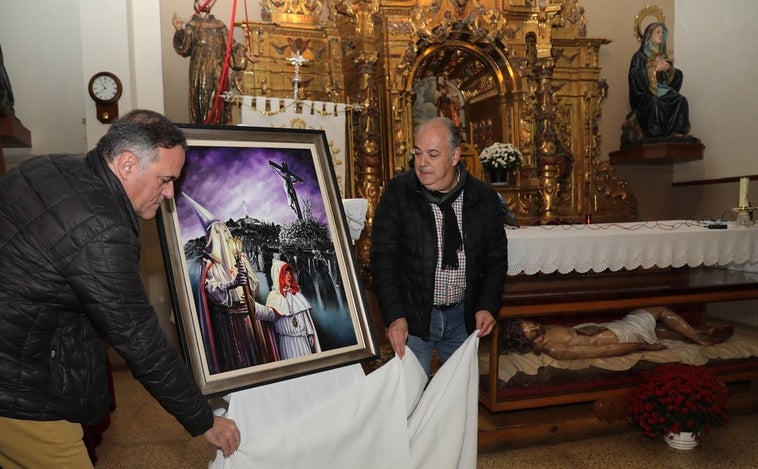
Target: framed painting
<point>260,261</point>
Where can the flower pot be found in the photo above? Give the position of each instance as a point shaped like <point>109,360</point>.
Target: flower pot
<point>499,176</point>
<point>681,440</point>
<point>678,396</point>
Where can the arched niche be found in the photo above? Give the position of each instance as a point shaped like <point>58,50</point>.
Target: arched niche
<point>471,84</point>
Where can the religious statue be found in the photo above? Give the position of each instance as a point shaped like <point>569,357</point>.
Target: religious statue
<point>659,111</point>
<point>639,330</point>
<point>6,93</point>
<point>447,101</point>
<point>204,40</point>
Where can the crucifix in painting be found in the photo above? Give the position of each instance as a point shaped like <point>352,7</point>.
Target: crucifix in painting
<point>289,179</point>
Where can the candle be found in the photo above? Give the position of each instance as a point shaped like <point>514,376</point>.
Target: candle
<point>744,202</point>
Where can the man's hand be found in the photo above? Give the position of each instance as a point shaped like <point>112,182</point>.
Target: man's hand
<point>485,323</point>
<point>224,435</point>
<point>397,333</point>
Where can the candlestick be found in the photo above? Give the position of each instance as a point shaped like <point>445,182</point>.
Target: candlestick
<point>744,191</point>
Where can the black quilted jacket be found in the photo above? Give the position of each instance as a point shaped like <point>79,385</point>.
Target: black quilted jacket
<point>404,252</point>
<point>69,277</point>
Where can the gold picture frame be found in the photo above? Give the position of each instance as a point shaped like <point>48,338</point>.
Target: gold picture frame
<point>275,191</point>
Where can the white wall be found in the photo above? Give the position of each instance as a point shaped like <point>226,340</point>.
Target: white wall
<point>42,54</point>
<point>104,48</point>
<point>715,48</point>
<point>51,49</point>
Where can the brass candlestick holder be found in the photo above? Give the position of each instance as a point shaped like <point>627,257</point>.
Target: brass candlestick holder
<point>744,217</point>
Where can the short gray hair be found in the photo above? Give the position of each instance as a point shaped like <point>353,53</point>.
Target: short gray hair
<point>141,132</point>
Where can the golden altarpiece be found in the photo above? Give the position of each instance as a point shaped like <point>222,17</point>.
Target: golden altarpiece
<point>524,72</point>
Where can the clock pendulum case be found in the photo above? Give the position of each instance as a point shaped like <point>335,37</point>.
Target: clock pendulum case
<point>105,89</point>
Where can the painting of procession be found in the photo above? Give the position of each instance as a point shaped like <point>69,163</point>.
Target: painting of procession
<point>260,261</point>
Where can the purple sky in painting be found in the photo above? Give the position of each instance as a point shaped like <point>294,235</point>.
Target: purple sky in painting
<point>222,179</point>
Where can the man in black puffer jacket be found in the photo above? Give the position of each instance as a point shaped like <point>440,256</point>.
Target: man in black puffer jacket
<point>69,277</point>
<point>438,250</point>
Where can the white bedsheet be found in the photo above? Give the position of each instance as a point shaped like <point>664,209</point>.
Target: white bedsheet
<point>343,419</point>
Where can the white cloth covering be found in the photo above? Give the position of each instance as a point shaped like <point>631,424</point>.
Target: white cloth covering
<point>342,419</point>
<point>637,326</point>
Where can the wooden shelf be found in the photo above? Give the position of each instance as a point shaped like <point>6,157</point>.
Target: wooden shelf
<point>13,134</point>
<point>658,153</point>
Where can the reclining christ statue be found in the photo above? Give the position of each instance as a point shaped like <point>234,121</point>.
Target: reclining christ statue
<point>639,330</point>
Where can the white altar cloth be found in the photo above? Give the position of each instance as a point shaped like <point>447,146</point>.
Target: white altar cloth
<point>339,419</point>
<point>615,246</point>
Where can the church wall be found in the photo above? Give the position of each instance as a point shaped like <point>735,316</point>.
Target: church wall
<point>719,76</point>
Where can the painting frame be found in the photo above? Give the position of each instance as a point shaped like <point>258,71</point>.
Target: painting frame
<point>224,164</point>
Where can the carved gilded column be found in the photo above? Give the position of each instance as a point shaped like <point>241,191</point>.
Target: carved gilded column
<point>357,20</point>
<point>366,135</point>
<point>553,161</point>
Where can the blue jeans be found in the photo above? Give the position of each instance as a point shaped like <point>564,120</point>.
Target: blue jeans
<point>447,331</point>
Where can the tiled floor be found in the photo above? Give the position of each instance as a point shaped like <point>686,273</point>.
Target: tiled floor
<point>143,435</point>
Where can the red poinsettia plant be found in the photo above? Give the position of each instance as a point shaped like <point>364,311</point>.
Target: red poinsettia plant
<point>678,398</point>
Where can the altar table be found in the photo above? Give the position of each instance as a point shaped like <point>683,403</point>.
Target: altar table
<point>615,246</point>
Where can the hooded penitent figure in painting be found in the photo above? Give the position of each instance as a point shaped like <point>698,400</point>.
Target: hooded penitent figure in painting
<point>291,314</point>
<point>225,294</point>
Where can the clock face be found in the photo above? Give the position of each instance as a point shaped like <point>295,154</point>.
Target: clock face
<point>105,87</point>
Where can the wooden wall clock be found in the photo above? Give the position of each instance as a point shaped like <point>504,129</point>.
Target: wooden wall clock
<point>105,89</point>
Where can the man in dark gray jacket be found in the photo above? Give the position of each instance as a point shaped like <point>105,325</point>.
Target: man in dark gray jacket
<point>438,250</point>
<point>69,277</point>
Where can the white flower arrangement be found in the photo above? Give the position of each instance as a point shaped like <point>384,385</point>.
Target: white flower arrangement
<point>500,156</point>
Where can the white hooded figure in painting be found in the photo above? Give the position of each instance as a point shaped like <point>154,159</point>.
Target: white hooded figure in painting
<point>291,314</point>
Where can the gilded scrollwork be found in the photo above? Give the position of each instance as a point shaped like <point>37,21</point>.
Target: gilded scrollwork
<point>362,11</point>
<point>572,17</point>
<point>436,22</point>
<point>612,192</point>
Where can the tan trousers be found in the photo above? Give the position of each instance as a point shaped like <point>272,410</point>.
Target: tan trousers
<point>28,444</point>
